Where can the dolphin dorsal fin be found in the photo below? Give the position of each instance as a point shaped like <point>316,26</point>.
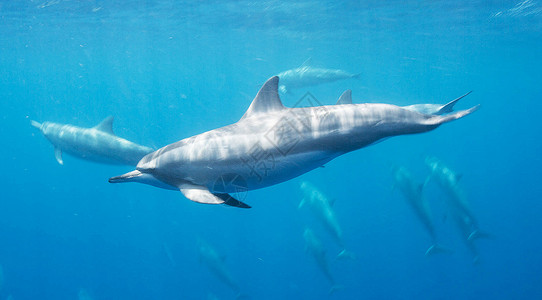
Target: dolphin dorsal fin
<point>106,125</point>
<point>306,63</point>
<point>345,98</point>
<point>267,99</point>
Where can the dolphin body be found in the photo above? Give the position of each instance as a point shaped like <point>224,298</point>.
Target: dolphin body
<point>215,262</point>
<point>271,144</point>
<point>460,210</point>
<point>99,143</point>
<point>305,75</point>
<point>314,247</point>
<point>413,193</point>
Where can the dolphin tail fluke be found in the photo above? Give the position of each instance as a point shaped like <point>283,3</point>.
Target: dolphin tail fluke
<point>435,249</point>
<point>449,107</point>
<point>35,124</point>
<point>345,254</point>
<point>335,288</point>
<point>478,234</point>
<point>438,119</point>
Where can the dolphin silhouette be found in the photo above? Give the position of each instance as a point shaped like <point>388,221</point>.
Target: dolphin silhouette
<point>99,143</point>
<point>272,144</point>
<point>215,262</point>
<point>306,75</point>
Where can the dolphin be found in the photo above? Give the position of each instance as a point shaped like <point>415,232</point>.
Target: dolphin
<point>459,208</point>
<point>216,264</point>
<point>322,207</point>
<point>305,75</point>
<point>314,247</point>
<point>99,143</point>
<point>435,109</point>
<point>271,144</point>
<point>413,193</point>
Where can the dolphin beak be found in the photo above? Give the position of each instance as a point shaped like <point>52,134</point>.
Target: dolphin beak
<point>125,177</point>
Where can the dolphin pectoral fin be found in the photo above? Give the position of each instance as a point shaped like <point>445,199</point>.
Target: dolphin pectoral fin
<point>200,194</point>
<point>58,155</point>
<point>436,248</point>
<point>35,124</point>
<point>477,234</point>
<point>345,254</point>
<point>229,200</point>
<point>301,203</point>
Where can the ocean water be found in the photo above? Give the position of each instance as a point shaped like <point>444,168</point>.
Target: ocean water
<point>167,70</point>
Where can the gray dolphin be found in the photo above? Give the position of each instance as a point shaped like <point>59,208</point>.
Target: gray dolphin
<point>413,193</point>
<point>322,207</point>
<point>305,76</point>
<point>271,144</point>
<point>459,208</point>
<point>215,262</point>
<point>99,143</point>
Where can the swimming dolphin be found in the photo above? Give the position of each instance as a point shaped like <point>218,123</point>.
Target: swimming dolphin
<point>413,193</point>
<point>459,208</point>
<point>99,143</point>
<point>271,144</point>
<point>322,207</point>
<point>215,262</point>
<point>305,75</point>
<point>314,247</point>
<point>435,109</point>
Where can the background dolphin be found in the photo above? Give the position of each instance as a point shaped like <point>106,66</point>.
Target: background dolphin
<point>413,193</point>
<point>314,247</point>
<point>215,262</point>
<point>273,144</point>
<point>99,143</point>
<point>305,75</point>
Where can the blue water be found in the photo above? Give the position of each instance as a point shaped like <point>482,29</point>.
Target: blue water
<point>168,70</point>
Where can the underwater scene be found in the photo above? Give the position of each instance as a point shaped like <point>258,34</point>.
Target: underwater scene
<point>270,149</point>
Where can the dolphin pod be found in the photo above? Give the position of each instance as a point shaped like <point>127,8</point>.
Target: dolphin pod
<point>271,144</point>
<point>98,143</point>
